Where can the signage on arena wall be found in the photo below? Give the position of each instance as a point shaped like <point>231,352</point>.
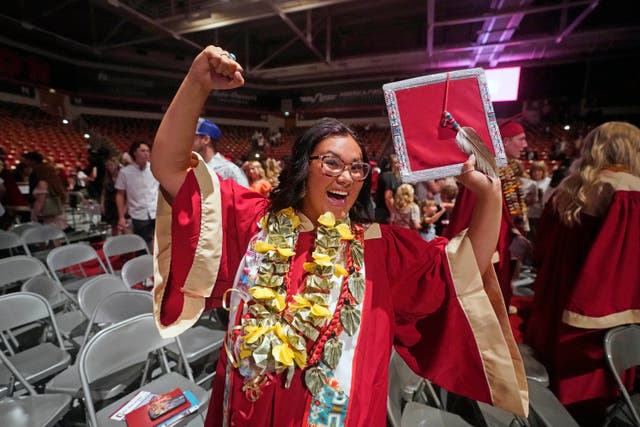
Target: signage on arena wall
<point>338,98</point>
<point>235,97</point>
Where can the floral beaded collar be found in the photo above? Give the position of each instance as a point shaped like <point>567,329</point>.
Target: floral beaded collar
<point>279,333</point>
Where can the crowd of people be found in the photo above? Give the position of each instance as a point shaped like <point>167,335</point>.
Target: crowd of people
<point>120,183</point>
<point>330,254</point>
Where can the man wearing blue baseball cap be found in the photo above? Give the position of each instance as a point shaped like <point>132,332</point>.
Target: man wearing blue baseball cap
<point>204,143</point>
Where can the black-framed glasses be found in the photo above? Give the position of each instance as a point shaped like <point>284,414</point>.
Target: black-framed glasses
<point>333,166</point>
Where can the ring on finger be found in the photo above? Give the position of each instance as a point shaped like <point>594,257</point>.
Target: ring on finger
<point>229,54</point>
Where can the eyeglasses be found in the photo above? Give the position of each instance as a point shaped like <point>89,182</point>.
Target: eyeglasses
<point>333,166</point>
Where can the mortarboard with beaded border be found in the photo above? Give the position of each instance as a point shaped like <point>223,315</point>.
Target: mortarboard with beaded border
<point>426,115</point>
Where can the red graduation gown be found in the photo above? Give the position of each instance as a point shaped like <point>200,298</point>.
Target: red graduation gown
<point>446,326</point>
<point>586,283</point>
<point>460,219</point>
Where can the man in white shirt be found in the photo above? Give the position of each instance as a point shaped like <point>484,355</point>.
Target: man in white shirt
<point>207,135</point>
<point>137,193</point>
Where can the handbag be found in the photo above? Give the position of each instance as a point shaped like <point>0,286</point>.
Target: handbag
<point>52,206</point>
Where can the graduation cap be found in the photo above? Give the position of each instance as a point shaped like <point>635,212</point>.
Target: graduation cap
<point>510,128</point>
<point>438,120</point>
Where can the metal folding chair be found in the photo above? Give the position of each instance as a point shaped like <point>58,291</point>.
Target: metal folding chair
<point>533,369</point>
<point>33,410</point>
<point>42,360</point>
<point>138,270</point>
<point>199,341</point>
<point>19,229</point>
<point>119,306</point>
<point>49,289</point>
<point>75,259</point>
<point>68,315</point>
<point>123,244</point>
<point>18,269</point>
<point>402,410</point>
<point>622,351</point>
<point>42,239</point>
<point>92,292</point>
<point>112,308</point>
<point>126,344</point>
<point>418,415</point>
<point>545,408</point>
<point>11,244</point>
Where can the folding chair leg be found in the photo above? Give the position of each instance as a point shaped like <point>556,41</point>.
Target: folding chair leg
<point>206,379</point>
<point>7,345</point>
<point>145,372</point>
<point>428,394</point>
<point>13,339</point>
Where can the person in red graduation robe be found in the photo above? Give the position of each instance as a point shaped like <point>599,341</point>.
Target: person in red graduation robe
<point>437,303</point>
<point>588,271</point>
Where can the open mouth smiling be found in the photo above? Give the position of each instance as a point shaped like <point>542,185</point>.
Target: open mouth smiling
<point>337,195</point>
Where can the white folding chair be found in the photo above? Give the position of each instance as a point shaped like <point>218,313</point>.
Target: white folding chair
<point>622,351</point>
<point>402,385</point>
<point>17,269</point>
<point>402,410</point>
<point>420,415</point>
<point>40,361</point>
<point>19,229</point>
<point>545,408</point>
<point>75,259</point>
<point>199,341</point>
<point>119,305</point>
<point>533,369</point>
<point>138,270</point>
<point>92,292</point>
<point>42,239</point>
<point>125,344</point>
<point>11,244</point>
<point>44,410</point>
<point>68,314</point>
<point>48,288</point>
<point>123,244</point>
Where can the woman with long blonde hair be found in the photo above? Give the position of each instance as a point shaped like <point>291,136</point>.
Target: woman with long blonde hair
<point>405,212</point>
<point>256,176</point>
<point>588,251</point>
<point>272,171</point>
<point>613,147</point>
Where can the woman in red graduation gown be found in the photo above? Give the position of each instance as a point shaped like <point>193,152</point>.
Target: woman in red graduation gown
<point>589,252</point>
<point>318,294</point>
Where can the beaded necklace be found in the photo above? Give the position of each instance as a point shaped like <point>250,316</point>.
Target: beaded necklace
<point>278,333</point>
<point>512,189</point>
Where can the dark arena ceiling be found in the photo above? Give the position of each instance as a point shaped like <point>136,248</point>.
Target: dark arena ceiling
<point>298,43</point>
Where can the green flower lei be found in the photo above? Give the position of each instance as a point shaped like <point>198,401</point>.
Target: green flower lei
<point>278,334</point>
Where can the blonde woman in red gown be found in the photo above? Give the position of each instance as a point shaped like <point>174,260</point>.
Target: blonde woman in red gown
<point>588,252</point>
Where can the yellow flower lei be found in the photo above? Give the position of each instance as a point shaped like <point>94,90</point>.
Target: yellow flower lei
<point>273,333</point>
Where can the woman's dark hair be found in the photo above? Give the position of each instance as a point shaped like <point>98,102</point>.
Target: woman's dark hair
<point>293,177</point>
